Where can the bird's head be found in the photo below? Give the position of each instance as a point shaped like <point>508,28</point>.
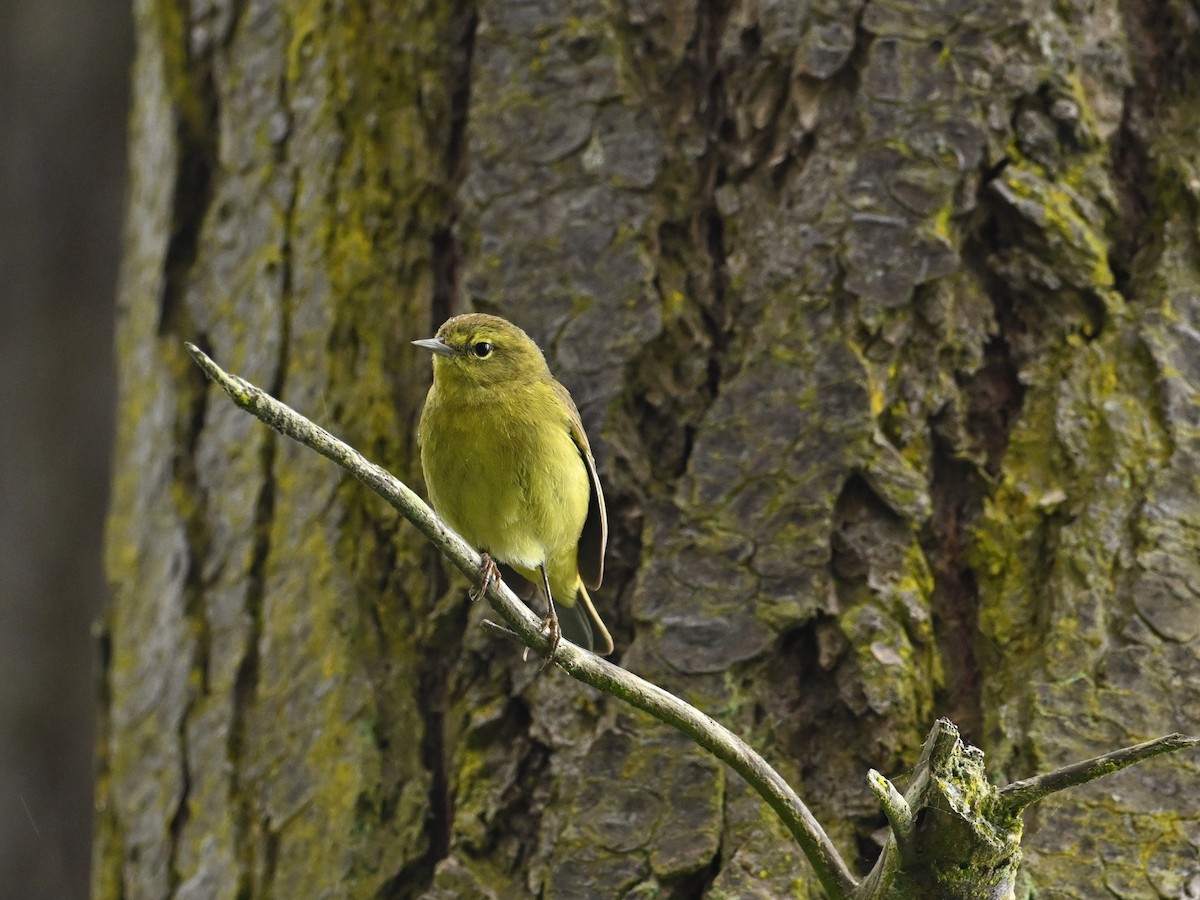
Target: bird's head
<point>478,349</point>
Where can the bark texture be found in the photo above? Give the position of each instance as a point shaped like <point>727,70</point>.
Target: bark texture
<point>883,318</point>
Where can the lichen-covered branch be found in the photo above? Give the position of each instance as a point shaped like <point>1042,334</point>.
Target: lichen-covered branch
<point>949,840</point>
<point>830,868</point>
<point>895,807</point>
<point>956,836</point>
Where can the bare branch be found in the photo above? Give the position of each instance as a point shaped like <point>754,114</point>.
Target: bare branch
<point>828,864</point>
<point>1020,794</point>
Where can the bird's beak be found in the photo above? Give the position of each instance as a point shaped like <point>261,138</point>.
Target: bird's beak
<point>436,345</point>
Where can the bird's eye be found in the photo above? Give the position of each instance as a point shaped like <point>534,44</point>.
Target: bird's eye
<point>482,349</point>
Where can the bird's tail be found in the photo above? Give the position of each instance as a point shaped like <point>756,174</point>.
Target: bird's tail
<point>581,624</point>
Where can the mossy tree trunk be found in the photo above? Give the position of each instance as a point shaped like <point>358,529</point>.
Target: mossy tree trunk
<point>883,319</point>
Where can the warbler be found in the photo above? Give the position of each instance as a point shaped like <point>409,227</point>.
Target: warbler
<point>508,467</point>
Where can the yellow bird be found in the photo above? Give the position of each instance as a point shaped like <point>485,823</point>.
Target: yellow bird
<point>508,467</point>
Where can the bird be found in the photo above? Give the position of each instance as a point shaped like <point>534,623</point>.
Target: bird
<point>508,466</point>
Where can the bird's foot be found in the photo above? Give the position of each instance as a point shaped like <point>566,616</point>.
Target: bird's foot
<point>550,625</point>
<point>489,575</point>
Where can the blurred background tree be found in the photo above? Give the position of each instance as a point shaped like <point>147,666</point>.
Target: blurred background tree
<point>64,75</point>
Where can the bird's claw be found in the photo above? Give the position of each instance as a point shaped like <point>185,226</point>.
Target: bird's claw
<point>554,633</point>
<point>550,625</point>
<point>489,575</point>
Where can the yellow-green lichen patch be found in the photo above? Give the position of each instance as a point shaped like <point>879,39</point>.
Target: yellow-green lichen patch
<point>1069,226</point>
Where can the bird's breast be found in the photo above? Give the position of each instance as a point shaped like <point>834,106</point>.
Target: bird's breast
<point>511,481</point>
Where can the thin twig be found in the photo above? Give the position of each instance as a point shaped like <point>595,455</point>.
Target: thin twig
<point>1020,794</point>
<point>828,864</point>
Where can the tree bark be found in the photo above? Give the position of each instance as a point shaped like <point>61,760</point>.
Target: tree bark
<point>882,318</point>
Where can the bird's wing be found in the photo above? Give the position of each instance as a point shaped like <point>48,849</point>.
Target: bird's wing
<point>594,538</point>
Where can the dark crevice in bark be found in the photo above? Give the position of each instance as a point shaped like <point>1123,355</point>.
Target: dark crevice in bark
<point>956,492</point>
<point>432,680</point>
<point>1162,34</point>
<point>791,165</point>
<point>846,81</point>
<point>445,301</point>
<point>270,860</point>
<point>193,193</point>
<point>445,276</point>
<point>994,393</point>
<point>1129,167</point>
<point>433,755</point>
<point>196,130</point>
<point>516,819</point>
<point>993,400</point>
<point>807,714</point>
<point>195,518</point>
<point>697,885</point>
<point>400,886</point>
<point>712,116</point>
<point>107,827</point>
<point>233,22</point>
<point>996,398</point>
<point>718,317</point>
<point>181,815</point>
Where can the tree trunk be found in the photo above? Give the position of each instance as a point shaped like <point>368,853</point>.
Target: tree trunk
<point>883,321</point>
